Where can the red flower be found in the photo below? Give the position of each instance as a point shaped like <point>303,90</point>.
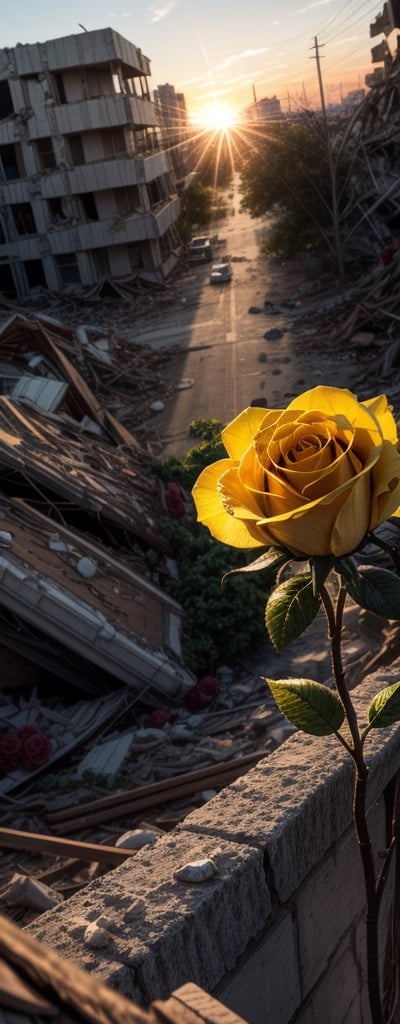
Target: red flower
<point>26,748</point>
<point>37,750</point>
<point>11,747</point>
<point>158,718</point>
<point>208,687</point>
<point>27,730</point>
<point>194,701</point>
<point>174,500</point>
<point>202,693</point>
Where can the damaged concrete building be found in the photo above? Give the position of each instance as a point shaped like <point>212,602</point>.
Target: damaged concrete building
<point>86,191</point>
<point>83,556</point>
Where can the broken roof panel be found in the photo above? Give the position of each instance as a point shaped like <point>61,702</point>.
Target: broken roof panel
<point>114,484</point>
<point>85,573</point>
<point>80,595</point>
<point>44,393</point>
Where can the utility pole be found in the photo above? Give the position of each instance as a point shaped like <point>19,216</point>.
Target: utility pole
<point>332,169</point>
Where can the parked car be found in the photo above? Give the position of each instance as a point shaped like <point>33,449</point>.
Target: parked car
<point>200,250</point>
<point>222,271</point>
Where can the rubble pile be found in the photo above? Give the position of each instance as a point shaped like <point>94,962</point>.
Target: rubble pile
<point>123,376</point>
<point>118,305</point>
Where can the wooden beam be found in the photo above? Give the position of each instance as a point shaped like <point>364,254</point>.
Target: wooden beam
<point>13,839</point>
<point>134,800</point>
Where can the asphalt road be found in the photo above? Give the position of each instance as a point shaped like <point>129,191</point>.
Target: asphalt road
<point>225,363</point>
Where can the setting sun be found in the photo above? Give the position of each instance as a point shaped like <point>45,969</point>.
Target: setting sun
<point>218,117</point>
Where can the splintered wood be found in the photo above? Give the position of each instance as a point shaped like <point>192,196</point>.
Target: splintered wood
<point>35,981</point>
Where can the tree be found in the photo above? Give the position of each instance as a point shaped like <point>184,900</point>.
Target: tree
<point>288,173</point>
<point>196,203</point>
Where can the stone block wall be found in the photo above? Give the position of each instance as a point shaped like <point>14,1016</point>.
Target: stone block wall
<point>277,934</point>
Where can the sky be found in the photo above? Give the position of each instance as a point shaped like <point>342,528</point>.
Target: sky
<point>223,53</point>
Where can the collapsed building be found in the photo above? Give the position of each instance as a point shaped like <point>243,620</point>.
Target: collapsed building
<point>83,555</point>
<point>86,191</point>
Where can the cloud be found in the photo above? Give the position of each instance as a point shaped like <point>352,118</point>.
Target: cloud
<point>157,13</point>
<point>227,63</point>
<point>311,7</point>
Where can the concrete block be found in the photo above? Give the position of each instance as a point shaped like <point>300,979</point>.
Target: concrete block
<point>338,998</point>
<point>296,803</point>
<point>327,904</point>
<point>165,931</point>
<point>293,805</point>
<point>283,820</point>
<point>267,989</point>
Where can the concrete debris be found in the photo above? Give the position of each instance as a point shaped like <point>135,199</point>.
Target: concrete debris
<point>362,339</point>
<point>29,892</point>
<point>136,839</point>
<point>67,726</point>
<point>196,871</point>
<point>96,936</point>
<point>274,334</point>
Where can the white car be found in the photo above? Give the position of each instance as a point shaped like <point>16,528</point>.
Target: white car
<point>200,250</point>
<point>221,272</point>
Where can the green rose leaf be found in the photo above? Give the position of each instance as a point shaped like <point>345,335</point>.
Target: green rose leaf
<point>270,562</point>
<point>385,707</point>
<point>290,609</point>
<point>376,589</point>
<point>308,705</point>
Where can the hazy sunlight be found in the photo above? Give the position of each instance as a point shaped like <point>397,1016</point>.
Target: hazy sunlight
<point>218,117</point>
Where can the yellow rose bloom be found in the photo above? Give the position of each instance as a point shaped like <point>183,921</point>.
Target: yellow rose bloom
<point>313,478</point>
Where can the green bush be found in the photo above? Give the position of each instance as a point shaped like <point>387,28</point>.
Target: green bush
<point>221,623</point>
<point>209,450</point>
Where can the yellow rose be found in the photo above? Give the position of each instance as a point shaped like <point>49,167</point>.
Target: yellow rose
<point>313,478</point>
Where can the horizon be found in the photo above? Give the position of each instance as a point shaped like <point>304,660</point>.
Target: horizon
<point>221,63</point>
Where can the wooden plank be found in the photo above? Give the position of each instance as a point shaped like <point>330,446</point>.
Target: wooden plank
<point>167,789</point>
<point>45,979</point>
<point>214,780</point>
<point>66,986</point>
<point>13,839</point>
<point>16,995</point>
<point>191,1005</point>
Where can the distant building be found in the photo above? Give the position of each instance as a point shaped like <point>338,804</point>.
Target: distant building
<point>353,99</point>
<point>262,111</point>
<point>86,191</point>
<point>173,121</point>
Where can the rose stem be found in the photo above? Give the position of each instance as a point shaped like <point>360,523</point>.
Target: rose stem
<point>335,622</point>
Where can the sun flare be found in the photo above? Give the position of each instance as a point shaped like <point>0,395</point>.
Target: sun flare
<point>218,117</point>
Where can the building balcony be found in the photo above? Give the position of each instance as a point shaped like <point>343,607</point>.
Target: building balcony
<point>134,227</point>
<point>9,130</point>
<point>26,247</point>
<point>16,191</point>
<point>108,174</point>
<point>113,111</point>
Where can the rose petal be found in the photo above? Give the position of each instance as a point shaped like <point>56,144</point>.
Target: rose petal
<point>211,511</point>
<point>380,410</point>
<point>240,433</point>
<point>385,499</point>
